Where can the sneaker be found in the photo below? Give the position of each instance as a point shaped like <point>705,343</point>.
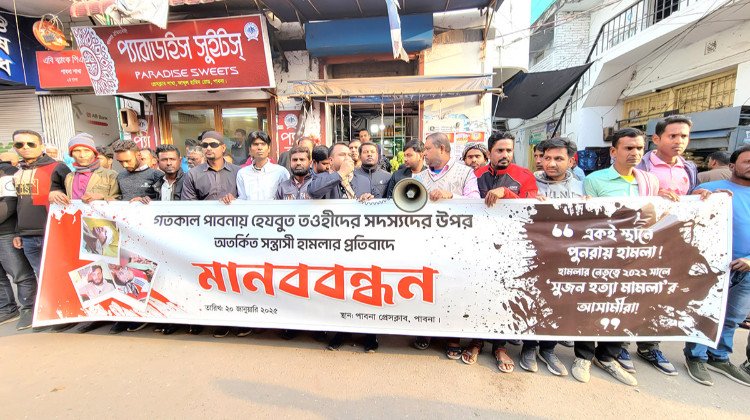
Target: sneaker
<point>13,316</point>
<point>371,343</point>
<point>221,332</point>
<point>581,370</point>
<point>617,372</point>
<point>726,368</point>
<point>118,327</point>
<point>697,370</point>
<point>528,359</point>
<point>568,344</point>
<point>24,319</point>
<point>554,365</point>
<point>136,326</point>
<point>746,366</point>
<point>657,360</point>
<point>625,361</point>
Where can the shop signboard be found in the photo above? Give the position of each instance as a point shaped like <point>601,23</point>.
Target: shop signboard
<point>190,55</point>
<point>61,70</point>
<point>17,59</point>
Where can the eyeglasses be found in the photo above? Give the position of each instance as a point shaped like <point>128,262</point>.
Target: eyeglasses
<point>30,144</point>
<point>213,145</point>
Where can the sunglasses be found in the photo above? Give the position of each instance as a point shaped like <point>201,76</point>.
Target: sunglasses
<point>213,145</point>
<point>30,144</point>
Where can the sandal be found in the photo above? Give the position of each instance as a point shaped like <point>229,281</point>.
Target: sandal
<point>453,351</point>
<point>504,363</point>
<point>471,353</point>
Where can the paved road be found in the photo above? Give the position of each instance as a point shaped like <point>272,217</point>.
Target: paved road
<point>147,375</point>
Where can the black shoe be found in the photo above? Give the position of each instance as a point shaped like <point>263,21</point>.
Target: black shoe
<point>221,332</point>
<point>337,341</point>
<point>24,320</point>
<point>371,343</point>
<point>169,329</point>
<point>62,327</point>
<point>288,334</point>
<point>89,326</point>
<point>320,336</point>
<point>119,327</point>
<point>13,316</point>
<point>195,329</point>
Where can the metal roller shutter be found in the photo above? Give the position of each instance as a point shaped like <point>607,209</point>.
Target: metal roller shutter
<point>57,118</point>
<point>19,110</point>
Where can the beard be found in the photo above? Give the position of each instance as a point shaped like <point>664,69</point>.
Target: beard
<point>298,171</point>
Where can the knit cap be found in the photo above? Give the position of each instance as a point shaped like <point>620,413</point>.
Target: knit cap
<point>82,140</point>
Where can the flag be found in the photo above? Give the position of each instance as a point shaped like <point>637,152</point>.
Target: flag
<point>395,23</point>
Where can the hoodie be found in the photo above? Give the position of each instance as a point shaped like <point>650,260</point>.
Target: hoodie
<point>33,183</point>
<point>569,187</point>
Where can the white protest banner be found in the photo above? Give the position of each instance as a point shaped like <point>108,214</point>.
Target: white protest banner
<point>600,269</point>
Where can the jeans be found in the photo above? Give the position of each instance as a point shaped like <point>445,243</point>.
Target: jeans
<point>604,351</point>
<point>13,262</point>
<point>738,306</point>
<point>32,248</point>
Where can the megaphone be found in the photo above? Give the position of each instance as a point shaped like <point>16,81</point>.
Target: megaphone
<point>409,195</point>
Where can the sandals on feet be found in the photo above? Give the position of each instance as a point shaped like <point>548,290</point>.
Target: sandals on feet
<point>453,351</point>
<point>471,353</point>
<point>504,363</point>
<point>421,343</point>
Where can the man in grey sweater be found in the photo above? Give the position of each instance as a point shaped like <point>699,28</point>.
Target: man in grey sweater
<point>556,179</point>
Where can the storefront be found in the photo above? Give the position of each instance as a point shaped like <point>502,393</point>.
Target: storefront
<point>210,74</point>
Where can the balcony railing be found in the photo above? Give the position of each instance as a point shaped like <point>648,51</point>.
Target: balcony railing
<point>639,16</point>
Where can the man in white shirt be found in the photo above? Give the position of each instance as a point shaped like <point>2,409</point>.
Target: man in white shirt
<point>261,180</point>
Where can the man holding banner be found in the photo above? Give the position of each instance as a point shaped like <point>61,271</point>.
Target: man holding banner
<point>699,359</point>
<point>622,179</point>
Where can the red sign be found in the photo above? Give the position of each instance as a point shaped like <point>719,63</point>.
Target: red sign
<point>209,54</point>
<point>61,70</point>
<point>287,127</point>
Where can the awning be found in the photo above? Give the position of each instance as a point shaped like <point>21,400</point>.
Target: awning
<point>367,36</point>
<point>392,89</point>
<point>529,94</point>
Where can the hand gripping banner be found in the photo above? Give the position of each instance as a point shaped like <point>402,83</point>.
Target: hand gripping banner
<point>599,269</point>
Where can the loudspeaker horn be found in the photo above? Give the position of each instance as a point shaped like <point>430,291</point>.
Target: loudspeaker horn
<point>129,120</point>
<point>409,195</point>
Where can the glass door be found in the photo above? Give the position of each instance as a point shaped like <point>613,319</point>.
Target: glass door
<point>187,124</point>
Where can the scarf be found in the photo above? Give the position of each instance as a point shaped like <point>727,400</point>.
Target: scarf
<point>91,168</point>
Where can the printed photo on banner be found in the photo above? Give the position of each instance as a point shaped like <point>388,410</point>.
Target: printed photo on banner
<point>99,238</point>
<point>133,276</point>
<point>93,283</point>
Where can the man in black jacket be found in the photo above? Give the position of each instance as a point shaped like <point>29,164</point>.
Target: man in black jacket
<point>169,187</point>
<point>12,260</point>
<point>413,164</point>
<point>38,175</point>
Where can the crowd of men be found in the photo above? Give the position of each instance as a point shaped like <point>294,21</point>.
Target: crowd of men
<point>356,170</point>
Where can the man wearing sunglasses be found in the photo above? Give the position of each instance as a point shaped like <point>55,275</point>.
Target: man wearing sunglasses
<point>38,175</point>
<point>214,180</point>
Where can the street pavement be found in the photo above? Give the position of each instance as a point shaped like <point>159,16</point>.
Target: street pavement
<point>148,375</point>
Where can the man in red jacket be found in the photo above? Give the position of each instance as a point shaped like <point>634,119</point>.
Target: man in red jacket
<point>502,178</point>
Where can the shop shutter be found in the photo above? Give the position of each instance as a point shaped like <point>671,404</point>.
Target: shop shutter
<point>19,110</point>
<point>57,118</point>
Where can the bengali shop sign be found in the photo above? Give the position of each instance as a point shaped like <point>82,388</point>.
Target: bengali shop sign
<point>61,69</point>
<point>598,269</point>
<point>208,54</point>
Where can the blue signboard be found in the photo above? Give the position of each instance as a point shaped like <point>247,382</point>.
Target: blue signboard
<point>18,55</point>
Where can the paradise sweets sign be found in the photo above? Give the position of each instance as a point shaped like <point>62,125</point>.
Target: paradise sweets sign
<point>209,54</point>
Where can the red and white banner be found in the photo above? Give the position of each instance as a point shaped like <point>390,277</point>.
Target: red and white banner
<point>286,129</point>
<point>61,70</point>
<point>209,54</point>
<point>600,269</point>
